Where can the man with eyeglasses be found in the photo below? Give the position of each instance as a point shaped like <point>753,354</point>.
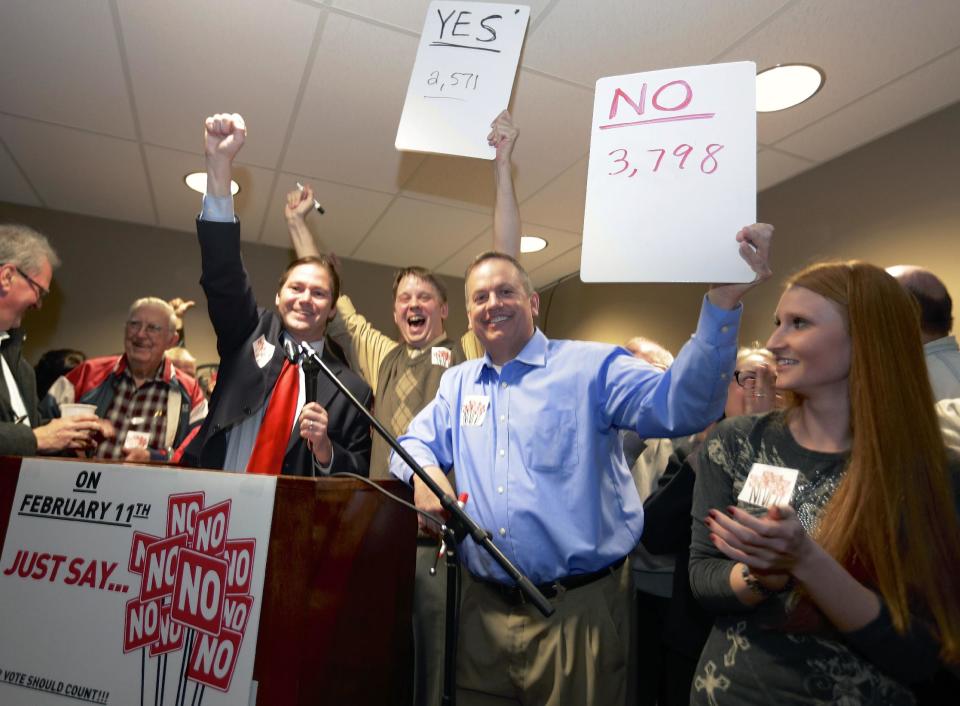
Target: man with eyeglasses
<point>26,270</point>
<point>152,405</point>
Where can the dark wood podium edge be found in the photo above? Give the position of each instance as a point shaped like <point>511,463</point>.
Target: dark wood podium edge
<point>335,623</point>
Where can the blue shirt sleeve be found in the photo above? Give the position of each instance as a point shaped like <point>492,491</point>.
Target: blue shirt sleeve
<point>689,395</point>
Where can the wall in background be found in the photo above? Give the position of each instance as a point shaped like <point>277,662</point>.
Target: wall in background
<point>895,200</point>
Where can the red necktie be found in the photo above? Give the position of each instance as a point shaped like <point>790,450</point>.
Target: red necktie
<point>271,444</point>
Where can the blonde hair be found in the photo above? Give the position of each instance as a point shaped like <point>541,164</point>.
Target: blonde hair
<point>891,520</point>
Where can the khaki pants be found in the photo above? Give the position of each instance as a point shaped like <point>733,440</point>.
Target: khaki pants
<point>513,655</point>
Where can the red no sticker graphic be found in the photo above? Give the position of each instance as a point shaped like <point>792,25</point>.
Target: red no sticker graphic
<point>182,510</point>
<point>199,592</point>
<point>194,590</point>
<point>141,625</point>
<point>160,567</point>
<point>210,529</point>
<point>214,658</point>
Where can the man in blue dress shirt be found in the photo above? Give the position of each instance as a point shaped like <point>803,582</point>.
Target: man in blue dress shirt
<point>532,430</point>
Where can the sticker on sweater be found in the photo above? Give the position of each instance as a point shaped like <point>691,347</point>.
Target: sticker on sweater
<point>440,356</point>
<point>262,351</point>
<point>136,440</point>
<point>474,410</point>
<point>768,485</point>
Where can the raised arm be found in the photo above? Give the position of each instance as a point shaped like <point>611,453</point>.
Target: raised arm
<point>230,300</point>
<point>224,135</point>
<point>295,211</point>
<point>506,212</point>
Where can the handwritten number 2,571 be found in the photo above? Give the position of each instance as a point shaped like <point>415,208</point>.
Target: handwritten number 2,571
<point>708,165</point>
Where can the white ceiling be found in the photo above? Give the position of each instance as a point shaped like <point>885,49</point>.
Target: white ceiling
<point>101,103</point>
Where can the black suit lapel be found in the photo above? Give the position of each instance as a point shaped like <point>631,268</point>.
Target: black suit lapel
<point>326,390</point>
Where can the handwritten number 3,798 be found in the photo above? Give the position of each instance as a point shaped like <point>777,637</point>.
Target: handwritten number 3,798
<point>708,165</point>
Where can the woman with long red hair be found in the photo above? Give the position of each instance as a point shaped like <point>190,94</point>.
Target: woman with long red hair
<point>848,590</point>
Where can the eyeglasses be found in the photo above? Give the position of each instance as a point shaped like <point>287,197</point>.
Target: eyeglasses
<point>744,377</point>
<point>153,330</point>
<point>37,287</point>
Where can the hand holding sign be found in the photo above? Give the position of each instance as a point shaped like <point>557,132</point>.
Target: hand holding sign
<point>672,174</point>
<point>754,248</point>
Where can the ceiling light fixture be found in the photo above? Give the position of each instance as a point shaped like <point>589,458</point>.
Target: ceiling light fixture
<point>198,182</point>
<point>786,85</point>
<point>532,243</point>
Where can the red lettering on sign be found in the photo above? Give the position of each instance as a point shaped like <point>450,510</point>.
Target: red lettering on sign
<point>141,624</point>
<point>214,658</point>
<point>199,591</point>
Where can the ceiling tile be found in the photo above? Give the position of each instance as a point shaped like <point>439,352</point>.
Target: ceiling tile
<point>114,187</point>
<point>558,241</point>
<point>410,14</point>
<point>13,187</point>
<point>61,64</point>
<point>421,233</point>
<point>456,264</point>
<point>178,206</point>
<point>774,167</point>
<point>455,181</point>
<point>560,204</point>
<point>181,74</point>
<point>349,214</point>
<point>564,264</point>
<point>350,112</point>
<point>584,41</point>
<point>860,45</point>
<point>930,88</point>
<point>554,120</point>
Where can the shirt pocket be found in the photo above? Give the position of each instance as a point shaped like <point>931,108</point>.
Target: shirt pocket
<point>551,446</point>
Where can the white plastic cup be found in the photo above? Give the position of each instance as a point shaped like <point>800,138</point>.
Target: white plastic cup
<point>74,409</point>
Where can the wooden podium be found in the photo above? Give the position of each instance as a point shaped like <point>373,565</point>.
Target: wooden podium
<point>335,624</point>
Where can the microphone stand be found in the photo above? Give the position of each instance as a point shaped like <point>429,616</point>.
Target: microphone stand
<point>460,523</point>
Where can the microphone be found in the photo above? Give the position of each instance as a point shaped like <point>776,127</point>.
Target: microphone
<point>311,371</point>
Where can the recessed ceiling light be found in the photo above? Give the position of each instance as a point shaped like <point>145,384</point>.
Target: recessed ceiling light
<point>787,85</point>
<point>532,243</point>
<point>198,182</point>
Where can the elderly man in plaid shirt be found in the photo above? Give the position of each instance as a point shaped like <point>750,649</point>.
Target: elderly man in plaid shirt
<point>152,405</point>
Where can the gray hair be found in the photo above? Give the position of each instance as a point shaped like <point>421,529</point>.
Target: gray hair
<point>25,247</point>
<point>157,303</point>
<point>650,351</point>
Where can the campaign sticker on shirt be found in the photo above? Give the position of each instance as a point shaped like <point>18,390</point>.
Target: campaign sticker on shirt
<point>474,410</point>
<point>441,356</point>
<point>136,440</point>
<point>769,485</point>
<point>262,351</point>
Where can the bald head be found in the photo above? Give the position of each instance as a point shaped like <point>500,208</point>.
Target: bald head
<point>936,307</point>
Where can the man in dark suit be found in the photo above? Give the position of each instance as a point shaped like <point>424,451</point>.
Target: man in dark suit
<point>325,436</point>
<point>26,271</point>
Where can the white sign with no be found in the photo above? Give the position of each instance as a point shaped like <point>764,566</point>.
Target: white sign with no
<point>672,175</point>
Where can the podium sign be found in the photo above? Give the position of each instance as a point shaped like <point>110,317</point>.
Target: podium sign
<point>672,175</point>
<point>120,581</point>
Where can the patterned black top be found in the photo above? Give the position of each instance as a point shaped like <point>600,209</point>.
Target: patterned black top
<point>750,658</point>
